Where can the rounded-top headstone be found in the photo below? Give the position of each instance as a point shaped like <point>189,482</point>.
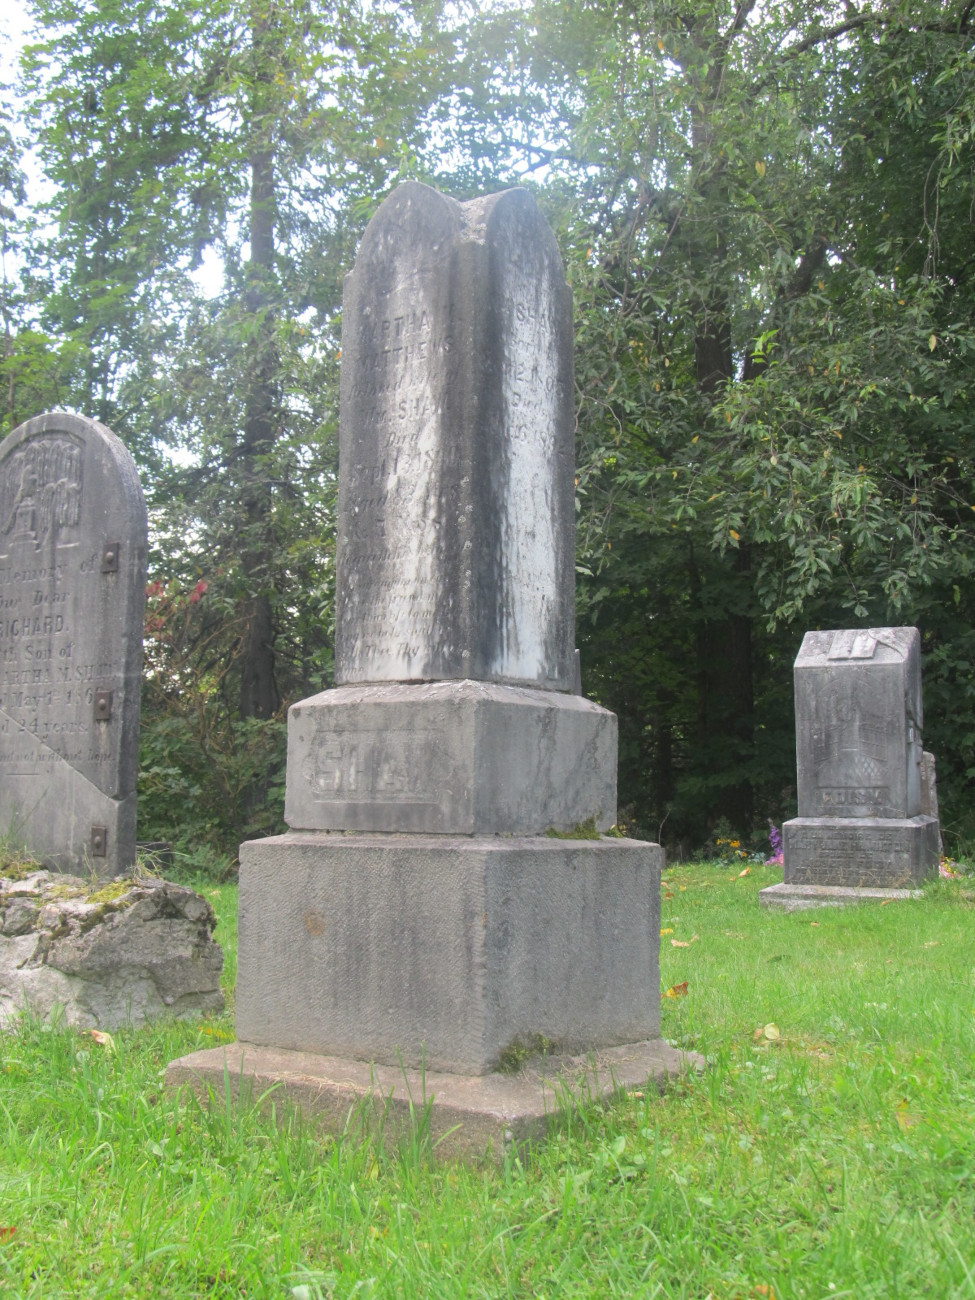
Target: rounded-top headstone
<point>456,476</point>
<point>73,543</point>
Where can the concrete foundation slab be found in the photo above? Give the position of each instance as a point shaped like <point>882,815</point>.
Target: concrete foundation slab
<point>797,898</point>
<point>447,949</point>
<point>467,1117</point>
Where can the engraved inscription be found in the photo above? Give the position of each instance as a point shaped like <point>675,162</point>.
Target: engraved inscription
<point>356,765</point>
<point>46,691</point>
<point>839,798</point>
<point>832,856</point>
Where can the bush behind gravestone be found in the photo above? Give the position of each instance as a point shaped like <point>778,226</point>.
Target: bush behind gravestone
<point>207,779</point>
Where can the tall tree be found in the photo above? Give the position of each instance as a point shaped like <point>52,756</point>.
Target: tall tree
<point>772,366</point>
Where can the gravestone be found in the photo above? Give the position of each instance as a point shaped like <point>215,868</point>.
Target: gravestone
<point>73,545</point>
<point>861,825</point>
<point>417,918</point>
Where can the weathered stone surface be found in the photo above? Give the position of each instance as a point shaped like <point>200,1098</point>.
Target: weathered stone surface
<point>858,723</point>
<point>418,920</point>
<point>461,758</point>
<point>471,1117</point>
<point>858,745</point>
<point>72,593</point>
<point>883,852</point>
<point>405,948</point>
<point>456,546</point>
<point>103,962</point>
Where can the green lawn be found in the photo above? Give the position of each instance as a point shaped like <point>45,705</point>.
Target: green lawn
<point>828,1150</point>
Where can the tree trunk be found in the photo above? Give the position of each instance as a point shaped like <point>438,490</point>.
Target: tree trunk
<point>258,688</point>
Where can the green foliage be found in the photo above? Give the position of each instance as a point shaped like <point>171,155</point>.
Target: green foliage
<point>207,777</point>
<point>765,216</point>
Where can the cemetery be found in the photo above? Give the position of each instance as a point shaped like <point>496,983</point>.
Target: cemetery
<point>469,822</point>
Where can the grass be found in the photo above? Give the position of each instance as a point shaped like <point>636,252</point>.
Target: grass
<point>835,1160</point>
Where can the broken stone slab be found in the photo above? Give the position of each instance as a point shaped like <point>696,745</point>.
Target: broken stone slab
<point>480,1117</point>
<point>104,958</point>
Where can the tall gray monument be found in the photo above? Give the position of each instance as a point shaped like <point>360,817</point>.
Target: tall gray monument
<point>861,825</point>
<point>72,594</point>
<point>416,915</point>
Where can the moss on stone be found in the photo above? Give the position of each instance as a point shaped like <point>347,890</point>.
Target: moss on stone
<point>581,831</point>
<point>521,1050</point>
<point>110,892</point>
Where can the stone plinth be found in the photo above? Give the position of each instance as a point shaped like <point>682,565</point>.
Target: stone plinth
<point>470,1117</point>
<point>72,596</point>
<point>447,950</point>
<point>877,852</point>
<point>458,758</point>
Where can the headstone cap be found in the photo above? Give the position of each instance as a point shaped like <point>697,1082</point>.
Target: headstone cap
<point>858,646</point>
<point>432,220</point>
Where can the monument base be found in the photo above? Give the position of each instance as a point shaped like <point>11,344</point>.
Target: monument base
<point>797,898</point>
<point>450,758</point>
<point>447,952</point>
<point>861,852</point>
<point>464,1117</point>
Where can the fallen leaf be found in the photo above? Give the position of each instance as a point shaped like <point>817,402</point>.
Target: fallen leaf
<point>678,943</point>
<point>932,944</point>
<point>746,872</point>
<point>99,1036</point>
<point>905,1118</point>
<point>668,894</point>
<point>888,901</point>
<point>814,923</point>
<point>763,1290</point>
<point>677,991</point>
<point>668,930</point>
<point>683,888</point>
<point>771,1032</point>
<point>6,1233</point>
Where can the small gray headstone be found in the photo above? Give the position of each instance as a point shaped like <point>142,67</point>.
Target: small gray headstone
<point>858,743</point>
<point>858,723</point>
<point>456,540</point>
<point>73,533</point>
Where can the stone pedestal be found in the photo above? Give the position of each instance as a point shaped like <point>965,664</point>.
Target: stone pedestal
<point>416,917</point>
<point>445,950</point>
<point>860,852</point>
<point>450,758</point>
